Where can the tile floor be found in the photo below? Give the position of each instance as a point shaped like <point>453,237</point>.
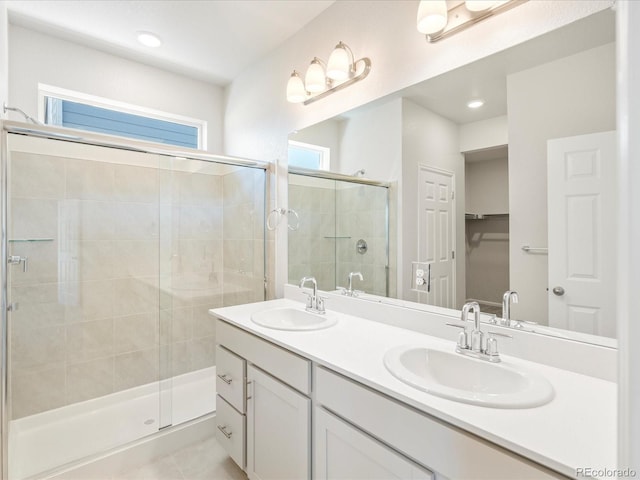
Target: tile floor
<point>201,461</point>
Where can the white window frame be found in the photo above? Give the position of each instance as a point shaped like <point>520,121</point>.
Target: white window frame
<point>325,153</point>
<point>102,102</point>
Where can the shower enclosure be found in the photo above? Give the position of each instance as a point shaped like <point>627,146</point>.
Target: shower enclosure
<point>114,252</point>
<point>342,227</point>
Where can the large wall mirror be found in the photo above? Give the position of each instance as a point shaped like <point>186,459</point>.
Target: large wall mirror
<point>517,194</point>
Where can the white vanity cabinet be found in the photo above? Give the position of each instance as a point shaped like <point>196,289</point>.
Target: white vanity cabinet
<point>358,432</point>
<point>275,405</point>
<point>448,451</point>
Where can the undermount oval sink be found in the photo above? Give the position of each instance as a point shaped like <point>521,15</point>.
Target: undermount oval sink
<point>464,379</point>
<point>289,318</point>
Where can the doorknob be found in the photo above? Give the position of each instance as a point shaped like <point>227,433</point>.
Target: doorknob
<point>559,291</point>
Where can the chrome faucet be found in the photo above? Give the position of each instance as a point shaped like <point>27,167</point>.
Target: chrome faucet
<point>315,303</point>
<point>476,333</point>
<point>350,291</point>
<point>508,297</point>
<point>476,347</point>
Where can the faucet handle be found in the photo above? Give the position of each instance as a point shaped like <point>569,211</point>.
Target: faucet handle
<point>309,299</point>
<point>463,337</point>
<point>320,304</point>
<point>492,344</point>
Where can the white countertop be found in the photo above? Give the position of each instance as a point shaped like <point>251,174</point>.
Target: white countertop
<point>577,429</point>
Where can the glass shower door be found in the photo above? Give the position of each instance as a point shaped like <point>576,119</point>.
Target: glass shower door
<point>211,255</point>
<point>83,244</point>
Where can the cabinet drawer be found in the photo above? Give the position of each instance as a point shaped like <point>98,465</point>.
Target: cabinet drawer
<point>292,369</point>
<point>230,380</point>
<point>231,431</point>
<point>444,449</point>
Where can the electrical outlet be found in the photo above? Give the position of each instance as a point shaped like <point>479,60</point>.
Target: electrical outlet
<point>420,277</point>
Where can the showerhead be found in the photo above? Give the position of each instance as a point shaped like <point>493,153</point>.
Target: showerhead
<point>28,118</point>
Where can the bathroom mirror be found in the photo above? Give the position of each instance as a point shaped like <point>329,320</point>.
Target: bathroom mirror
<point>518,194</point>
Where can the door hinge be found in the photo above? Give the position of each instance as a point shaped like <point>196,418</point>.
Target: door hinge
<point>453,255</point>
<point>453,194</point>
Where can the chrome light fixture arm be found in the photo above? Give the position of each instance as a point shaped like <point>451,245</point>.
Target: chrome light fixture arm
<point>356,78</point>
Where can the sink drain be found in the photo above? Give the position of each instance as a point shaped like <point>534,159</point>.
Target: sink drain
<point>149,422</point>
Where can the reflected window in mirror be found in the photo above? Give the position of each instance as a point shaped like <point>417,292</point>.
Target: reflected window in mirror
<point>307,155</point>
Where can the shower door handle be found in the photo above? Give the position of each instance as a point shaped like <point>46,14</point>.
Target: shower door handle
<point>17,260</point>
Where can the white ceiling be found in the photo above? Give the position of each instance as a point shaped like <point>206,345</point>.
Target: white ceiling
<point>213,40</point>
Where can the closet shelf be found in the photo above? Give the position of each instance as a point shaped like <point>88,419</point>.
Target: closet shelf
<point>484,216</point>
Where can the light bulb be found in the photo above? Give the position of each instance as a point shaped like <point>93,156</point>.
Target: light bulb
<point>315,80</point>
<point>340,63</point>
<point>432,16</point>
<point>295,89</point>
<point>479,5</point>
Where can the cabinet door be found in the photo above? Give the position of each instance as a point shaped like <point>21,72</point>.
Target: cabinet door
<point>278,429</point>
<point>343,452</point>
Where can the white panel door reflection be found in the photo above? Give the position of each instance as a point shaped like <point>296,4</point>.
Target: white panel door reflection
<point>581,174</point>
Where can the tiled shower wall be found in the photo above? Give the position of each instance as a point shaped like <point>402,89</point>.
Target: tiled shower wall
<point>118,296</point>
<point>361,214</point>
<point>333,217</point>
<point>312,247</point>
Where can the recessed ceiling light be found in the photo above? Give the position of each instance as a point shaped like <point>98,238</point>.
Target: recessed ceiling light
<point>477,103</point>
<point>149,39</point>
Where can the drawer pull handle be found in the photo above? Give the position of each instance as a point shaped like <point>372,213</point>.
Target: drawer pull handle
<point>223,429</point>
<point>225,379</point>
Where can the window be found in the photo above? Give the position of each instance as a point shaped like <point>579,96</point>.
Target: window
<point>84,112</point>
<point>306,155</point>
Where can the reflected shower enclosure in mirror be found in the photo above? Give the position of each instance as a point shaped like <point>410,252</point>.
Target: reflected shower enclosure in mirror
<point>343,228</point>
<point>528,179</point>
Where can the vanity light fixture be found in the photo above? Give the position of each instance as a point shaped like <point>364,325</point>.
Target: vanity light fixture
<point>322,79</point>
<point>437,22</point>
<point>149,39</point>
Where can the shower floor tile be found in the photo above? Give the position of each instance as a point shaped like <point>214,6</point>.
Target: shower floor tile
<point>205,460</point>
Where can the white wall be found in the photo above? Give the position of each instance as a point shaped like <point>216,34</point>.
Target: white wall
<point>428,139</point>
<point>571,96</point>
<point>4,55</point>
<point>372,139</point>
<point>487,186</point>
<point>483,134</point>
<point>38,58</point>
<point>628,116</point>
